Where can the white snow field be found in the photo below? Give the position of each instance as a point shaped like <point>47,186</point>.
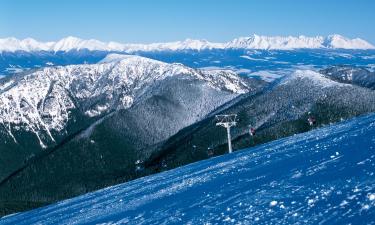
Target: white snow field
<point>325,176</point>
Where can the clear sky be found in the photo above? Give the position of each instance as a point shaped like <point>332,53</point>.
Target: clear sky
<point>145,21</point>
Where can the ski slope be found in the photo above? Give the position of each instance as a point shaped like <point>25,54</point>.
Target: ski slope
<point>324,176</point>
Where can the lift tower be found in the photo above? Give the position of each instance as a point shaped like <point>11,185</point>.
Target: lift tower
<point>227,121</point>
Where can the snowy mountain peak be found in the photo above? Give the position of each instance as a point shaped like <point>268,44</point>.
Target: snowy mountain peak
<point>290,42</point>
<point>338,41</point>
<point>199,44</point>
<point>252,42</point>
<point>41,102</point>
<point>224,80</point>
<point>277,42</point>
<point>74,43</point>
<point>12,44</point>
<point>313,77</point>
<point>66,42</point>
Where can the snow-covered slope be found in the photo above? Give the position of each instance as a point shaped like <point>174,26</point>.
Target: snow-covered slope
<point>324,176</point>
<point>73,43</point>
<point>41,102</point>
<point>313,77</point>
<point>338,41</point>
<point>253,42</point>
<point>352,75</point>
<point>332,41</point>
<point>264,42</point>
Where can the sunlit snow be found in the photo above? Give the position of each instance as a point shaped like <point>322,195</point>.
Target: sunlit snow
<point>288,181</point>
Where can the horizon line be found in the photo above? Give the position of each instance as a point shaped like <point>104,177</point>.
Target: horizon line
<point>184,39</point>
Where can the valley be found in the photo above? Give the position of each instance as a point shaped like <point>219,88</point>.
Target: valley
<point>79,119</point>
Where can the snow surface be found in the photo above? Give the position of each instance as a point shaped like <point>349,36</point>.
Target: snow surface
<point>41,102</point>
<point>324,176</point>
<point>268,76</point>
<point>315,77</point>
<point>252,42</point>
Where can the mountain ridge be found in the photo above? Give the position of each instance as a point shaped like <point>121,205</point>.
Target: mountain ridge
<point>165,117</point>
<point>117,82</point>
<point>69,43</point>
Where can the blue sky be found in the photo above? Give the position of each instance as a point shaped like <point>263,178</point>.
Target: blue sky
<point>145,21</point>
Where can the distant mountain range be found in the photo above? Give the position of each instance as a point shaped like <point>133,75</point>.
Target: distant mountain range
<point>252,42</point>
<point>69,130</point>
<point>76,120</point>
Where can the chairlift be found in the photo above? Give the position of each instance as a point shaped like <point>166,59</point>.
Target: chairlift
<point>138,165</point>
<point>311,120</point>
<point>252,131</point>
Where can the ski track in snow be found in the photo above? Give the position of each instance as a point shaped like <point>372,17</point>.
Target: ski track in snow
<point>325,176</point>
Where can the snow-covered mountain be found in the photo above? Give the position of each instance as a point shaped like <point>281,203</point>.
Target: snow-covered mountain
<point>138,101</point>
<point>40,102</point>
<point>166,119</point>
<point>253,42</point>
<point>264,42</point>
<point>73,43</point>
<point>325,176</point>
<point>352,75</point>
<point>290,42</point>
<point>338,41</point>
<point>280,110</point>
